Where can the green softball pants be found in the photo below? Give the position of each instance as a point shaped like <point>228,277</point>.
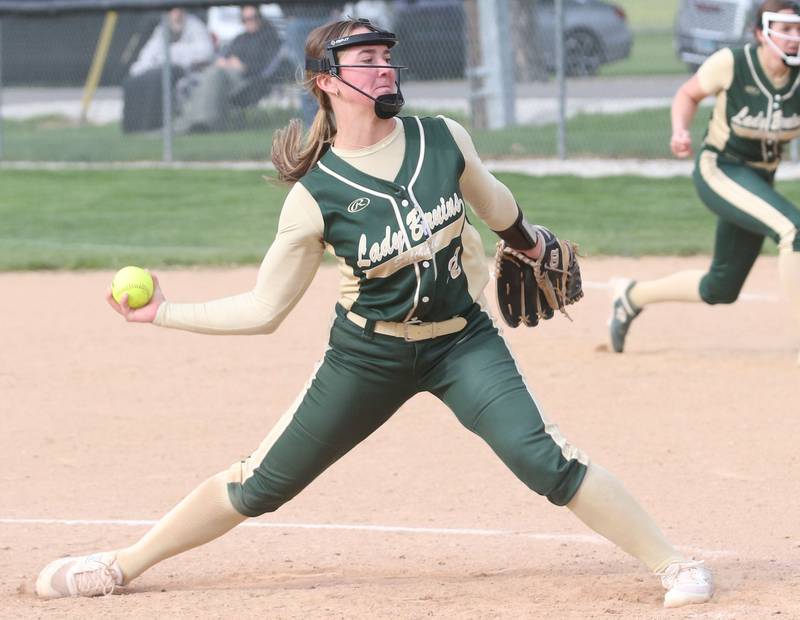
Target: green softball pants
<point>748,209</point>
<point>365,377</point>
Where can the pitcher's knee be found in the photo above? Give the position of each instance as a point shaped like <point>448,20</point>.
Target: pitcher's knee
<point>550,472</point>
<point>259,493</point>
<point>717,290</point>
<point>789,240</point>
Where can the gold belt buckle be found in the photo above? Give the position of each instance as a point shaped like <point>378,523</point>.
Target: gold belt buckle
<point>407,328</point>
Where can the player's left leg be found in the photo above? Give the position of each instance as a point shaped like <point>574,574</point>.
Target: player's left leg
<point>749,209</point>
<point>604,505</point>
<point>479,380</point>
<point>747,198</point>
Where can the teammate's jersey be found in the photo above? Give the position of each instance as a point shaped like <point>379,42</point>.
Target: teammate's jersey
<point>394,216</point>
<point>752,116</point>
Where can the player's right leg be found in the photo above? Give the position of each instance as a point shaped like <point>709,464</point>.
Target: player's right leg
<point>357,387</point>
<point>735,251</point>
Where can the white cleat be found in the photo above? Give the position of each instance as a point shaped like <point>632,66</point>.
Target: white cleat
<point>687,583</point>
<point>89,575</point>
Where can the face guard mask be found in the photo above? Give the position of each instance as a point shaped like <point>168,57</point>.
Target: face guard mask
<point>769,34</point>
<point>386,106</point>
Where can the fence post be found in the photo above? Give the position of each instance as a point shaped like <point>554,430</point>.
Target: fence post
<point>98,62</point>
<point>166,92</point>
<point>497,68</point>
<point>561,137</point>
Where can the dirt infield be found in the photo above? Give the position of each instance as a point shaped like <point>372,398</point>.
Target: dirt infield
<point>108,424</point>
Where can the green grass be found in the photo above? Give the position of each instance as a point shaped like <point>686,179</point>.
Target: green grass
<point>652,54</point>
<point>644,133</point>
<point>646,14</point>
<point>640,134</point>
<point>154,217</point>
<point>57,139</point>
<point>619,216</point>
<point>79,219</point>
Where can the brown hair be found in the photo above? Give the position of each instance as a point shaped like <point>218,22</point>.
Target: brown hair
<point>773,6</point>
<point>292,156</point>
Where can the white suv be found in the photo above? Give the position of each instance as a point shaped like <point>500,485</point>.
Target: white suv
<point>704,26</point>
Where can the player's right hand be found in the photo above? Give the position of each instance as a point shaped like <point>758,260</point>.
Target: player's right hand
<point>145,314</point>
<point>681,144</point>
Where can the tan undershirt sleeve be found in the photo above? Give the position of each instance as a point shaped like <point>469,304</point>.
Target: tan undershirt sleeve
<point>489,198</point>
<point>284,275</point>
<point>716,73</point>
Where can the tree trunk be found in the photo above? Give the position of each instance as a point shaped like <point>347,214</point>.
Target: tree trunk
<point>528,56</point>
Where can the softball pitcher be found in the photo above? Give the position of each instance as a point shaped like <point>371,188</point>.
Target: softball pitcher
<point>387,197</point>
<point>757,111</point>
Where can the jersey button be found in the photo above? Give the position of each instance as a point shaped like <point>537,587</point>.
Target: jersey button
<point>426,264</point>
<point>426,299</point>
<point>404,202</point>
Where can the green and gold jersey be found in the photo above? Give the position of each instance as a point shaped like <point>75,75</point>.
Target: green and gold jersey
<point>394,216</point>
<point>753,117</point>
<point>401,239</point>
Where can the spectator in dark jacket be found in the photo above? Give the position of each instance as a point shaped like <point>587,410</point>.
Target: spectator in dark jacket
<point>208,104</point>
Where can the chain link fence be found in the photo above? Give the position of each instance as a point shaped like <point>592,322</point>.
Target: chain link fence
<point>134,86</point>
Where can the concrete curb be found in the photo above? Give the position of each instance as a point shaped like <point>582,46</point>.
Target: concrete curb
<point>588,168</point>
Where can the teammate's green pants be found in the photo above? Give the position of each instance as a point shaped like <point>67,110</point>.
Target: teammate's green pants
<point>365,377</point>
<point>748,209</point>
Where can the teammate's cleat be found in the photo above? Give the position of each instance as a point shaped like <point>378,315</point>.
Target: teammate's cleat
<point>89,575</point>
<point>686,583</point>
<point>622,314</point>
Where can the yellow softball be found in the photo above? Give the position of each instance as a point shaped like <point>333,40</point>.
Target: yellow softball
<point>134,281</point>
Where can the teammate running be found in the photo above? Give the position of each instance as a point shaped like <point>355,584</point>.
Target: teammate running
<point>757,111</point>
<point>386,197</point>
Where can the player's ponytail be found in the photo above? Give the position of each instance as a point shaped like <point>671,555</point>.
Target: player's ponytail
<point>292,156</point>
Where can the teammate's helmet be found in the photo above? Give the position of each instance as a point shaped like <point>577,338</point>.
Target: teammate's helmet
<point>768,20</point>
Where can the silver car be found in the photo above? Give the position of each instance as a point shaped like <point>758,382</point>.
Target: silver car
<point>434,34</point>
<point>595,33</point>
<point>704,26</point>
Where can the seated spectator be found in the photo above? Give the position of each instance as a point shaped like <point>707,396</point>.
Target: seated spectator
<point>190,48</point>
<point>208,104</point>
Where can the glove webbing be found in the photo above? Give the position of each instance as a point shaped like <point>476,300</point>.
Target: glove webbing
<point>550,292</point>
